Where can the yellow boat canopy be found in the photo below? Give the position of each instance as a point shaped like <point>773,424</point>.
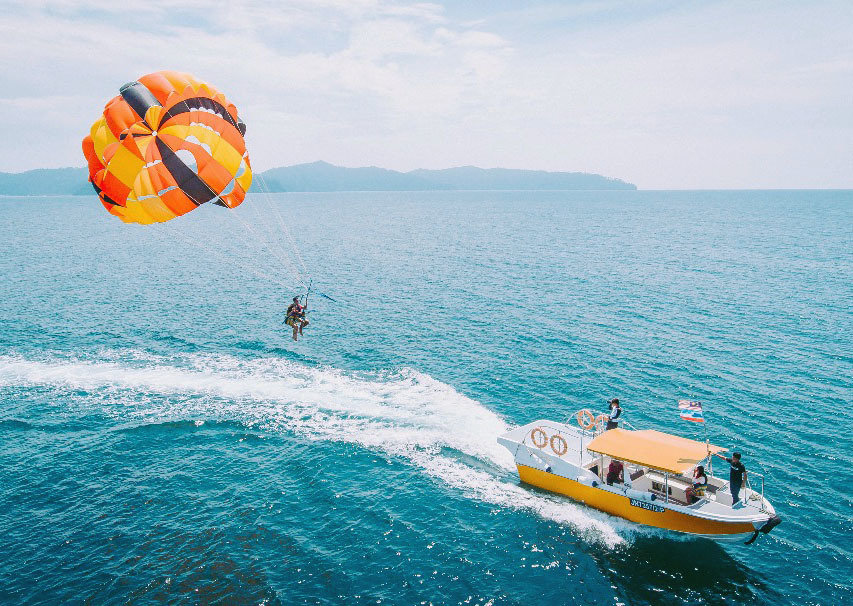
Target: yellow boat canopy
<point>651,448</point>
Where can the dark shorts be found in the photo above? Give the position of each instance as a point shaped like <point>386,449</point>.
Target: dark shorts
<point>612,425</point>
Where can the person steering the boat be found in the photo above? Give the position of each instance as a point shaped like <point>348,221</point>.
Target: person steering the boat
<point>737,475</point>
<point>700,482</point>
<point>615,473</point>
<point>615,413</point>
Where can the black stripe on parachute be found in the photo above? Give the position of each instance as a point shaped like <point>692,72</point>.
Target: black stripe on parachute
<point>190,183</point>
<point>103,196</point>
<point>196,103</point>
<point>138,97</point>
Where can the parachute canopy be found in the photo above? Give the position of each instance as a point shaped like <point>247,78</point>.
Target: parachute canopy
<point>165,145</point>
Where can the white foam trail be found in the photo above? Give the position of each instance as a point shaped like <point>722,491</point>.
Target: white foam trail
<point>406,414</point>
<point>592,525</point>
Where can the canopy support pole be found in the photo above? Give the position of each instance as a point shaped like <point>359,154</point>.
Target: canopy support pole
<point>708,446</point>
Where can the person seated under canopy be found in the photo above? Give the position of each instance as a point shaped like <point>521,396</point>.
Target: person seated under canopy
<point>697,490</point>
<point>615,472</point>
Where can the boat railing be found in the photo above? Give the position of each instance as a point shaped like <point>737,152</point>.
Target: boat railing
<point>753,495</point>
<point>596,429</point>
<point>574,446</point>
<point>599,427</point>
<point>749,500</point>
<point>583,436</point>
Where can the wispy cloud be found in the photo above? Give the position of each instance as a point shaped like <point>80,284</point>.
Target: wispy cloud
<point>664,94</point>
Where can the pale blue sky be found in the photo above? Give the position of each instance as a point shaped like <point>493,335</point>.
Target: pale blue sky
<point>662,94</point>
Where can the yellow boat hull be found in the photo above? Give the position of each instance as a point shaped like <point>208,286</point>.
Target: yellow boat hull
<point>634,510</point>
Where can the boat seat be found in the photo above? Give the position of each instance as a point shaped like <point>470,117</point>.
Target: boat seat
<point>724,497</point>
<point>677,487</point>
<point>637,474</point>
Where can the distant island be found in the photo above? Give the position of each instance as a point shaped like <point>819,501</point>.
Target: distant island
<point>46,182</point>
<point>325,177</point>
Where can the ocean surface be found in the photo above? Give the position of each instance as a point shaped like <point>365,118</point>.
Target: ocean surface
<point>162,439</point>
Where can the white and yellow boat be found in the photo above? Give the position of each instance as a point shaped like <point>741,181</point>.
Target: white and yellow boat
<point>572,461</point>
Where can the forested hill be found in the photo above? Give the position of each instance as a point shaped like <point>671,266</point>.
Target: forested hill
<point>46,182</point>
<point>322,176</point>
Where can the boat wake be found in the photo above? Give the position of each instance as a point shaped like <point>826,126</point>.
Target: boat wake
<point>404,414</point>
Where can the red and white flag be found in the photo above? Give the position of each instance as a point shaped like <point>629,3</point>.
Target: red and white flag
<point>691,411</point>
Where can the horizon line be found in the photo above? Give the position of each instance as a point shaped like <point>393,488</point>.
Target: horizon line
<point>637,187</point>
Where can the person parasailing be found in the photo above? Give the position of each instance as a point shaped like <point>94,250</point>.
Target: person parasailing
<point>170,144</point>
<point>297,317</point>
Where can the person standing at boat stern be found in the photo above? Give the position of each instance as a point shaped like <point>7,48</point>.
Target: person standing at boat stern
<point>615,413</point>
<point>737,475</point>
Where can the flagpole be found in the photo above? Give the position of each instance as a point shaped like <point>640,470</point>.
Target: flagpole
<point>693,409</point>
<point>707,443</point>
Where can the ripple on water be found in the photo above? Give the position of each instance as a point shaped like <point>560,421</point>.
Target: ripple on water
<point>163,440</point>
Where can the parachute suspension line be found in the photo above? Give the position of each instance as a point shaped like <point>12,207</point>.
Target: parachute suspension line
<point>209,248</point>
<point>256,236</point>
<point>265,188</point>
<point>262,220</point>
<point>261,240</point>
<point>240,264</point>
<point>267,238</point>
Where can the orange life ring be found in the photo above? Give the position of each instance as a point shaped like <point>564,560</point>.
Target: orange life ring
<point>602,419</point>
<point>536,431</point>
<point>558,439</point>
<point>585,418</point>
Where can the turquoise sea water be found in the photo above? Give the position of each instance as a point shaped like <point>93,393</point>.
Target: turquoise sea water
<point>162,439</point>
